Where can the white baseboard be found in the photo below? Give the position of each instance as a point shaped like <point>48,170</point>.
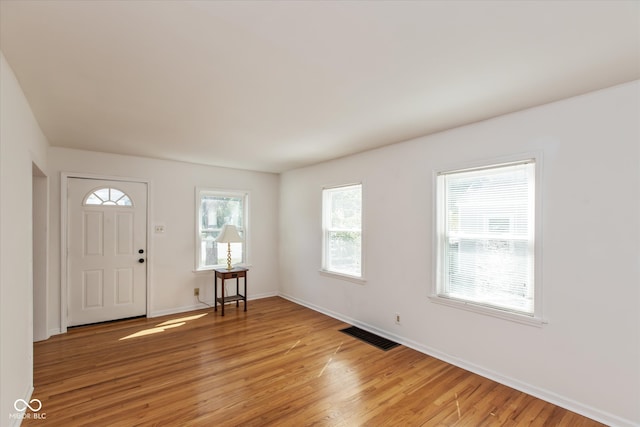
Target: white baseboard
<point>546,395</point>
<point>200,306</point>
<point>15,417</point>
<point>263,295</point>
<point>176,310</point>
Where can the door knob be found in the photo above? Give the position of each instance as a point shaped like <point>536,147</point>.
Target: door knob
<point>141,251</point>
<point>141,260</point>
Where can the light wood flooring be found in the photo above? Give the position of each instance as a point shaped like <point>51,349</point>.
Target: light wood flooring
<point>278,364</point>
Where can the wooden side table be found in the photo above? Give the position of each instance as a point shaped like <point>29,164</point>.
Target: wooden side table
<point>224,274</point>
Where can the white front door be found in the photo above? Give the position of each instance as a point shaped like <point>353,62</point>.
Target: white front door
<point>107,250</point>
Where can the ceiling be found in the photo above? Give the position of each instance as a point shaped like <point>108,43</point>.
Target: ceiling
<point>276,85</point>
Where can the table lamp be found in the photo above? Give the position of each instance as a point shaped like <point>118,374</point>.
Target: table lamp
<point>229,235</point>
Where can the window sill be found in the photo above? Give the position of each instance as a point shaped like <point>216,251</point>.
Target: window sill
<point>342,276</point>
<point>500,314</point>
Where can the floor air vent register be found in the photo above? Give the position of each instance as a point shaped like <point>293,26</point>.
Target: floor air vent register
<point>370,338</point>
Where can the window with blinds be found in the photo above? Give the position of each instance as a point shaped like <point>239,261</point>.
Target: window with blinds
<point>342,230</point>
<point>486,230</point>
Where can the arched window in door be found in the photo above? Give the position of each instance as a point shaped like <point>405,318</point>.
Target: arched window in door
<point>107,197</point>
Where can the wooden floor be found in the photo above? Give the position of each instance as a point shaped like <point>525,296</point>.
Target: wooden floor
<point>277,364</point>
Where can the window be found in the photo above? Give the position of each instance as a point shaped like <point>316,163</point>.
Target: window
<point>107,197</point>
<point>342,230</point>
<point>214,210</point>
<point>485,237</point>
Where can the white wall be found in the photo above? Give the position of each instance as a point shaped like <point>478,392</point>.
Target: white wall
<point>21,145</point>
<point>587,358</point>
<point>172,203</point>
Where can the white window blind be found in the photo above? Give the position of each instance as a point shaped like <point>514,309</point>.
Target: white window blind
<point>486,236</point>
<point>342,230</point>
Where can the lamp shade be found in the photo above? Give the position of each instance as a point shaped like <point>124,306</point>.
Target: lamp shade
<point>229,234</point>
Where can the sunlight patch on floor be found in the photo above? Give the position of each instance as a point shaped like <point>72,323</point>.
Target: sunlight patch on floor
<point>161,327</point>
<point>330,360</point>
<point>182,319</point>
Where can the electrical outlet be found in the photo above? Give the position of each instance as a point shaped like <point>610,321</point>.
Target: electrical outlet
<point>397,318</point>
<point>196,292</point>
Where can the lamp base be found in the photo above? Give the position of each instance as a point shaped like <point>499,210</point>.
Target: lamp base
<point>229,266</point>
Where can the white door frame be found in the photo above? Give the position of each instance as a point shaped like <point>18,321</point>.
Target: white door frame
<point>64,235</point>
<point>40,253</point>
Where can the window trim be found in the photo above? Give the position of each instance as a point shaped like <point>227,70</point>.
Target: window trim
<point>537,318</point>
<point>107,203</point>
<point>246,195</point>
<point>336,274</point>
